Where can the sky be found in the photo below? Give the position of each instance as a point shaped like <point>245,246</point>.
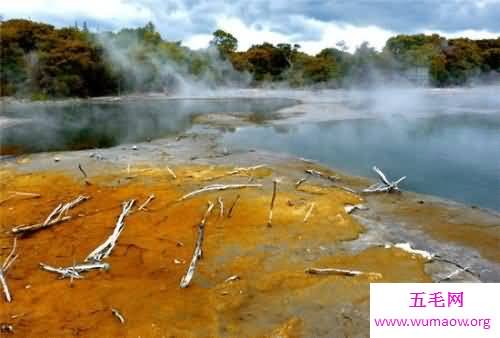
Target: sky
<point>313,24</point>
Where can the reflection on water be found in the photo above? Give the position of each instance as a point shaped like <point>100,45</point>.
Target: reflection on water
<point>61,126</point>
<point>456,157</point>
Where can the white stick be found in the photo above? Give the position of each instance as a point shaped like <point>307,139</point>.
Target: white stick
<point>75,270</point>
<point>149,199</point>
<point>104,250</point>
<point>309,211</point>
<point>218,187</point>
<point>239,170</point>
<point>221,206</point>
<point>198,252</point>
<point>171,172</point>
<point>4,268</point>
<point>342,272</point>
<point>118,315</point>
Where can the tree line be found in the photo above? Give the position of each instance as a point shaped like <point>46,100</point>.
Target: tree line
<point>41,61</point>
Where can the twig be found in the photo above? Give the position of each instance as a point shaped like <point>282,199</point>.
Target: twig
<point>309,211</point>
<point>231,278</point>
<point>104,250</point>
<point>82,171</point>
<point>230,212</point>
<point>217,187</point>
<point>3,271</point>
<point>239,170</point>
<point>350,208</point>
<point>198,251</point>
<point>221,206</point>
<point>271,207</point>
<point>118,315</point>
<point>313,172</point>
<point>341,272</point>
<point>171,172</point>
<point>58,215</point>
<point>453,274</point>
<point>299,182</point>
<point>149,199</point>
<point>74,272</point>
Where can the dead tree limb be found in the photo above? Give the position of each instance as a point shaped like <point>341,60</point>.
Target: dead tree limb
<point>230,211</point>
<point>218,187</point>
<point>3,271</point>
<point>74,272</point>
<point>385,185</point>
<point>221,206</point>
<point>118,315</point>
<point>58,215</point>
<point>271,207</point>
<point>148,200</point>
<point>104,250</point>
<point>341,272</point>
<point>171,172</point>
<point>198,251</point>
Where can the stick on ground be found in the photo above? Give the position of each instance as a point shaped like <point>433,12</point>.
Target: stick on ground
<point>221,206</point>
<point>309,211</point>
<point>198,251</point>
<point>341,272</point>
<point>148,200</point>
<point>3,271</point>
<point>271,207</point>
<point>104,250</point>
<point>171,172</point>
<point>230,212</point>
<point>218,187</point>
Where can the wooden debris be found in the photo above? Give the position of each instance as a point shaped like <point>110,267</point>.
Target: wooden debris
<point>148,200</point>
<point>74,272</point>
<point>385,185</point>
<point>3,271</point>
<point>218,187</point>
<point>242,170</point>
<point>221,206</point>
<point>232,278</point>
<point>454,274</point>
<point>299,182</point>
<point>104,250</point>
<point>118,315</point>
<point>84,174</point>
<point>309,211</point>
<point>198,251</point>
<point>13,194</point>
<point>230,212</point>
<point>271,207</point>
<point>350,208</point>
<point>342,272</point>
<point>171,172</point>
<point>58,215</point>
<point>317,173</point>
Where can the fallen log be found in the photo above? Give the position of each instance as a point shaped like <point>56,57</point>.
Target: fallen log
<point>218,187</point>
<point>341,272</point>
<point>104,250</point>
<point>198,251</point>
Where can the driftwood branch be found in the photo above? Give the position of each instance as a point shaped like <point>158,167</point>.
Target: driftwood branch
<point>104,250</point>
<point>230,211</point>
<point>218,187</point>
<point>271,207</point>
<point>385,185</point>
<point>3,271</point>
<point>220,201</point>
<point>148,200</point>
<point>58,215</point>
<point>74,272</point>
<point>341,272</point>
<point>198,251</point>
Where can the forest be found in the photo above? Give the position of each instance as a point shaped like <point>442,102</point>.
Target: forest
<point>39,61</point>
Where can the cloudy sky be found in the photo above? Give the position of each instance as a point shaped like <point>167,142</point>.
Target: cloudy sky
<point>314,24</point>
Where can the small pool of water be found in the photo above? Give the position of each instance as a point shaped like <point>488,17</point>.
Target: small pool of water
<point>453,156</point>
<point>55,126</point>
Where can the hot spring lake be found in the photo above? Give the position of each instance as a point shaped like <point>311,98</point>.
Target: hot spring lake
<point>455,156</point>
